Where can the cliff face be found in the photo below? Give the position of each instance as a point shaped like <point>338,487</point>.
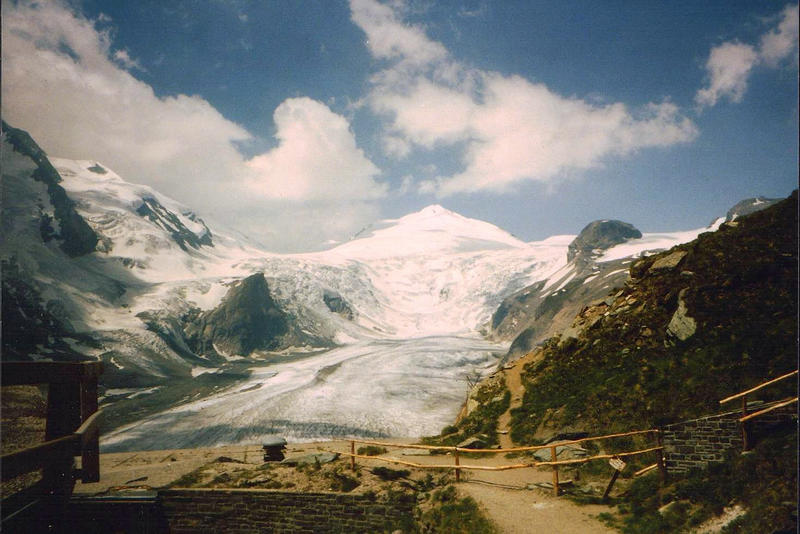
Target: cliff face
<point>64,224</point>
<point>692,325</point>
<point>247,319</point>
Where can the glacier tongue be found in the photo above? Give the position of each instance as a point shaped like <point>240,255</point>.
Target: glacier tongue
<point>372,389</point>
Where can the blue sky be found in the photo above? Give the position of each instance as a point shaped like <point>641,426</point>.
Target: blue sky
<point>298,122</point>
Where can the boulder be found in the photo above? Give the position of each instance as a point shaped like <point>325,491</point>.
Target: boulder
<point>681,325</point>
<point>668,262</point>
<point>474,442</point>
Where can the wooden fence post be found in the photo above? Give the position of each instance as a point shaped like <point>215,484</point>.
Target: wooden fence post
<point>554,457</point>
<point>660,458</point>
<point>745,440</point>
<point>458,470</point>
<point>352,455</point>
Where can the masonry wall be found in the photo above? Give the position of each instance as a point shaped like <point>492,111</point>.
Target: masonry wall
<point>696,443</point>
<point>245,510</point>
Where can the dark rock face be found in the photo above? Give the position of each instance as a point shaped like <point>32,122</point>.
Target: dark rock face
<point>77,237</point>
<point>153,210</point>
<point>246,320</point>
<point>748,206</point>
<point>337,304</point>
<point>601,235</point>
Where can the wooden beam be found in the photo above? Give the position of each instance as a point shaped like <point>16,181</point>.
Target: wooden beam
<point>760,386</point>
<point>781,404</point>
<point>22,373</point>
<point>38,456</point>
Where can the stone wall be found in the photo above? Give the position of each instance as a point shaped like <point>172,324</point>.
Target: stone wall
<point>696,443</point>
<point>245,510</point>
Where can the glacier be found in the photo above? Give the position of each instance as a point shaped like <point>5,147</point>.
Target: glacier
<point>422,287</point>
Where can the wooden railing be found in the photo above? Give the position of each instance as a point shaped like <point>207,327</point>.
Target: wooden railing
<point>554,462</point>
<point>747,417</point>
<point>72,424</point>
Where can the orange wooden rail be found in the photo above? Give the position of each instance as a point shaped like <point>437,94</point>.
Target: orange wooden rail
<point>745,417</point>
<point>457,466</point>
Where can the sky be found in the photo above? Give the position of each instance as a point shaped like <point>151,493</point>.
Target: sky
<point>298,122</point>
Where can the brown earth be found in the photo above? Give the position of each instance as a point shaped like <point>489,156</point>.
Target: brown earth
<point>504,495</point>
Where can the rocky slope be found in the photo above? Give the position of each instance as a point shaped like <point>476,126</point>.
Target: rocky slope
<point>691,326</point>
<point>542,310</point>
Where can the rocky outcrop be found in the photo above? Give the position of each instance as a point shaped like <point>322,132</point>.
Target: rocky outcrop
<point>681,326</point>
<point>601,235</point>
<point>153,210</point>
<point>247,319</point>
<point>64,224</point>
<point>690,326</point>
<point>337,304</point>
<point>748,206</point>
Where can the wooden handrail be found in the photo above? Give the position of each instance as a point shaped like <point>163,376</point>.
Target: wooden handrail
<point>760,386</point>
<point>780,404</point>
<point>84,432</point>
<point>500,451</point>
<point>26,373</point>
<point>38,456</point>
<point>497,467</point>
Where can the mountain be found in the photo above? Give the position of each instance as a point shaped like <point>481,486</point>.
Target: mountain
<point>95,267</point>
<point>597,260</point>
<point>688,327</point>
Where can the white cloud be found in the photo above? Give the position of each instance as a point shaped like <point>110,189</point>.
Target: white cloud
<point>510,129</point>
<point>730,64</point>
<point>63,83</point>
<point>317,157</point>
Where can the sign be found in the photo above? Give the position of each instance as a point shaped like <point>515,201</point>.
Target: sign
<point>617,464</point>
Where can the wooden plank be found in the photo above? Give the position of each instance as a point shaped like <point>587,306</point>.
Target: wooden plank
<point>89,436</point>
<point>781,404</point>
<point>760,386</point>
<point>645,470</point>
<point>610,484</point>
<point>22,373</point>
<point>554,458</point>
<point>38,456</point>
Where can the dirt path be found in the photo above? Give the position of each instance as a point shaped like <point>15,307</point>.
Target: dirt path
<point>513,375</point>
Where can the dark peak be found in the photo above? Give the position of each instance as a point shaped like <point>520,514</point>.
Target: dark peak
<point>601,235</point>
<point>748,206</point>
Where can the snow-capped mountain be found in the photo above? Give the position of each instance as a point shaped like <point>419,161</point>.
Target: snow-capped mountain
<point>97,267</point>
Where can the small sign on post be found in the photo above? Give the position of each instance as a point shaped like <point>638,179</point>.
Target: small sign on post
<point>617,464</point>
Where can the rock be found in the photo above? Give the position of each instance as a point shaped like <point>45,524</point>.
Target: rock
<point>681,325</point>
<point>311,459</point>
<point>337,304</point>
<point>474,442</point>
<point>246,320</point>
<point>601,235</point>
<point>563,452</point>
<point>668,262</point>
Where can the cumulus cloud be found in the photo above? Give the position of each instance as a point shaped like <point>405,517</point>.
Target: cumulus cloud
<point>509,129</point>
<point>317,157</point>
<point>63,83</point>
<point>730,64</point>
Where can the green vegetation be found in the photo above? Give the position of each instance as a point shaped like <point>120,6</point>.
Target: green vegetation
<point>625,371</point>
<point>453,515</point>
<point>385,473</point>
<point>763,482</point>
<point>371,450</point>
<point>493,399</point>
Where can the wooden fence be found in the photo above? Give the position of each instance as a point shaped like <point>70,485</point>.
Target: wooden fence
<point>747,417</point>
<point>553,462</point>
<point>71,429</point>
